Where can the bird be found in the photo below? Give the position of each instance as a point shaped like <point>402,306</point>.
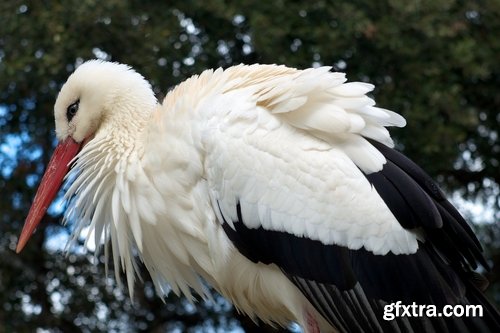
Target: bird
<point>279,187</point>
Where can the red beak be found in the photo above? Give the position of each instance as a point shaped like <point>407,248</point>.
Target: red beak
<point>51,182</point>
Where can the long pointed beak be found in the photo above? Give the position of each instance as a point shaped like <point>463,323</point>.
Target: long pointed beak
<point>51,182</point>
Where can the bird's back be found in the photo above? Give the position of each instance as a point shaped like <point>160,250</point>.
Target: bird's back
<point>301,176</point>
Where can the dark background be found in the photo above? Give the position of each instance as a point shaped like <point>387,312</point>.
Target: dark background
<point>434,61</point>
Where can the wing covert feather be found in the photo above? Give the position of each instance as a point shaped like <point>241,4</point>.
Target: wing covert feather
<point>288,180</point>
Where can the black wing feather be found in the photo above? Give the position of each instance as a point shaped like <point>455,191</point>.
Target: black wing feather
<point>462,237</point>
<point>411,206</point>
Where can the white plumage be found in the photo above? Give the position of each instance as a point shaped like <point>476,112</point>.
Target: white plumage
<point>260,148</point>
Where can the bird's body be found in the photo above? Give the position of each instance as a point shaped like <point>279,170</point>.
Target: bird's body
<point>277,186</point>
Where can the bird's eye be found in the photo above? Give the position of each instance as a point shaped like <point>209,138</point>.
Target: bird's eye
<point>72,110</point>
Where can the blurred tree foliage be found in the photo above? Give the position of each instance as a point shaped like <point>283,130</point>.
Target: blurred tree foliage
<point>434,61</point>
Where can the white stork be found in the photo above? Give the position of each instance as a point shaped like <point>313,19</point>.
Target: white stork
<point>278,186</point>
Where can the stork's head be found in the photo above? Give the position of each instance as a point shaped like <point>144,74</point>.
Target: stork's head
<point>97,93</point>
